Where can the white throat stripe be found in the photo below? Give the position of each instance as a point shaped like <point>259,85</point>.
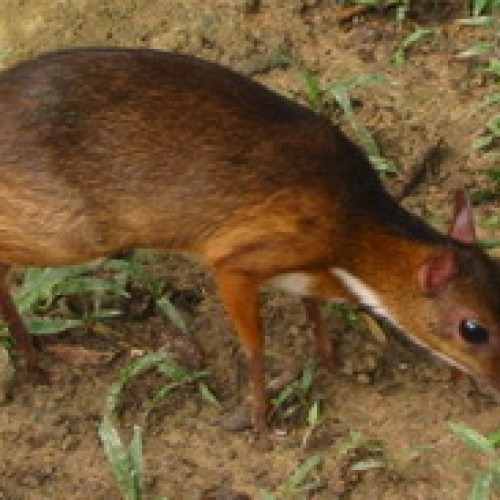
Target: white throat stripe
<point>363,293</point>
<point>368,298</point>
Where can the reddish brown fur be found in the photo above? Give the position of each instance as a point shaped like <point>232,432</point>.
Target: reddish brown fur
<point>108,149</point>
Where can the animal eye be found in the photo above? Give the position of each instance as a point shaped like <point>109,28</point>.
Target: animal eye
<point>472,332</point>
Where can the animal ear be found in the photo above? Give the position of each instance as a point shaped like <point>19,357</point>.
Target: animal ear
<point>462,226</point>
<point>437,271</point>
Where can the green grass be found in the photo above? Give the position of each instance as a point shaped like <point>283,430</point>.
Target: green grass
<point>367,454</point>
<point>303,481</point>
<point>487,471</point>
<point>485,7</point>
<point>296,399</point>
<point>341,91</point>
<point>100,289</point>
<point>126,460</point>
<point>491,192</point>
<point>399,56</point>
<point>319,97</point>
<point>485,16</point>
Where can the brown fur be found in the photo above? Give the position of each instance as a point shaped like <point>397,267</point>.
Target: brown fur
<point>108,149</point>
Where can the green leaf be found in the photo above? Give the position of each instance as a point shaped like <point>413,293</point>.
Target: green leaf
<point>483,142</point>
<point>340,91</point>
<point>131,371</point>
<point>307,379</point>
<point>301,472</point>
<point>314,91</point>
<point>494,438</point>
<point>493,221</point>
<point>313,414</point>
<point>369,464</point>
<point>370,3</point>
<point>489,100</point>
<point>473,438</point>
<point>399,55</point>
<point>481,487</point>
<point>171,312</point>
<point>265,495</point>
<point>384,165</point>
<point>49,326</point>
<point>493,174</point>
<point>119,459</point>
<point>489,244</point>
<point>479,21</point>
<point>479,6</point>
<point>493,67</point>
<point>493,125</point>
<point>478,49</point>
<point>137,460</point>
<point>88,284</point>
<point>284,395</point>
<point>207,395</point>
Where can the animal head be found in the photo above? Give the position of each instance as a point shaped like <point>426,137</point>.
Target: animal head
<point>459,288</point>
<point>445,297</point>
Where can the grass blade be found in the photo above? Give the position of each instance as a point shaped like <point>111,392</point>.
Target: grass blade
<point>481,488</point>
<point>473,438</point>
<point>49,326</point>
<point>137,460</point>
<point>119,459</point>
<point>170,311</point>
<point>301,472</point>
<point>369,464</point>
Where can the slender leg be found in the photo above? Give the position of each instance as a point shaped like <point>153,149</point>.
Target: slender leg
<point>324,345</point>
<point>23,339</point>
<point>239,294</point>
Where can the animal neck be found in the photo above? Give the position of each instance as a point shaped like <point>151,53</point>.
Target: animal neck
<point>382,267</point>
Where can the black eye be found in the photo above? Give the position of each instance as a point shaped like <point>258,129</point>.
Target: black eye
<point>472,332</point>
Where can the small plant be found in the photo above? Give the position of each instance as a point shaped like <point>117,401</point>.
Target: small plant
<point>302,482</point>
<point>347,313</point>
<point>281,60</point>
<point>341,92</point>
<point>489,194</point>
<point>296,398</point>
<point>132,271</point>
<point>491,135</point>
<point>485,7</point>
<point>483,15</point>
<point>127,461</point>
<point>367,454</point>
<point>315,92</point>
<point>487,479</point>
<point>492,221</point>
<point>399,56</point>
<point>316,96</point>
<point>42,288</point>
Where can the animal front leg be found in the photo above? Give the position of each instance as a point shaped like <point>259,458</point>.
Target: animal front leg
<point>18,331</point>
<point>240,297</point>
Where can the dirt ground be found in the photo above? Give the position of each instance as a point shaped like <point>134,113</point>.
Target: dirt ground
<point>395,395</point>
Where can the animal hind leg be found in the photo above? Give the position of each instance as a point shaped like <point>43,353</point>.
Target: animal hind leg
<point>324,344</point>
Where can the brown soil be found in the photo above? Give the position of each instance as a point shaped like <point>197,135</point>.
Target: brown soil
<point>395,395</point>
